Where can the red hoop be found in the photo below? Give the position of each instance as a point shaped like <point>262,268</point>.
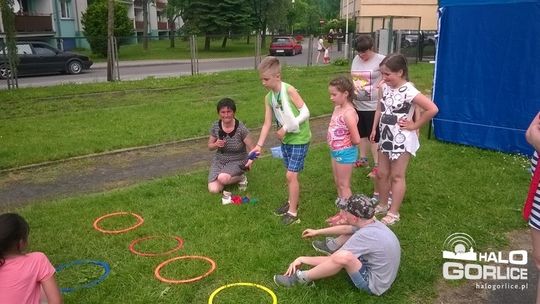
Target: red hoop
<point>140,221</point>
<point>158,268</point>
<point>149,254</point>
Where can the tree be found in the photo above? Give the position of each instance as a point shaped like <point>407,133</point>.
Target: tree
<point>94,22</point>
<point>210,18</point>
<point>174,10</point>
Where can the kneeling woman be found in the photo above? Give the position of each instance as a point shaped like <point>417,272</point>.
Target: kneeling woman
<point>231,139</point>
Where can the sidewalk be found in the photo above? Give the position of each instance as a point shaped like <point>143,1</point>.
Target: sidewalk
<point>115,169</point>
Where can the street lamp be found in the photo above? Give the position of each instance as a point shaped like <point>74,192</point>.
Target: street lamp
<point>346,53</point>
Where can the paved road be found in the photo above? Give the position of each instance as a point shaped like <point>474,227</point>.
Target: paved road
<point>140,69</point>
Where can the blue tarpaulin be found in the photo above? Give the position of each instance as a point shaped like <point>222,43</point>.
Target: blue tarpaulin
<point>487,73</point>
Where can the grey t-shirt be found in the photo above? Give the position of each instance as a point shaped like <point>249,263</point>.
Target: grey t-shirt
<point>366,75</point>
<point>379,247</point>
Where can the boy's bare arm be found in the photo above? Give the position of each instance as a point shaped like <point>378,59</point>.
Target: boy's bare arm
<point>265,128</point>
<point>334,230</point>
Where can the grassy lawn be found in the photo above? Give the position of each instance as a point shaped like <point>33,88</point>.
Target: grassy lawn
<point>70,120</point>
<point>160,49</point>
<point>451,188</point>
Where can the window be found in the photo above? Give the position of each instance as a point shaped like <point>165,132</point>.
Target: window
<point>43,50</point>
<point>65,8</point>
<point>24,49</point>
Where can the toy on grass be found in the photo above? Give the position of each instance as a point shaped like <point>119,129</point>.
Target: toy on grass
<point>103,276</point>
<point>139,218</point>
<point>167,280</point>
<point>229,198</point>
<point>268,290</point>
<point>179,245</point>
<point>251,158</point>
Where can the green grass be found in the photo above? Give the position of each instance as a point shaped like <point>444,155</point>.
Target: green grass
<point>451,188</point>
<point>160,49</point>
<point>70,120</point>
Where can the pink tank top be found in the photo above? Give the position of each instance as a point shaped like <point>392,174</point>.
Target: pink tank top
<point>338,136</point>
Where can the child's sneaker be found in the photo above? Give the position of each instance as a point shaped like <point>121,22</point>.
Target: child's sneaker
<point>320,246</point>
<point>242,185</point>
<point>282,209</point>
<point>290,281</point>
<point>288,219</point>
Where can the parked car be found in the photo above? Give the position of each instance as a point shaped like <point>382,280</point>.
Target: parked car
<point>285,45</point>
<point>408,40</point>
<point>37,57</point>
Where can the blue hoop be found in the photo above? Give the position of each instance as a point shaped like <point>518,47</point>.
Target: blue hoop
<point>93,283</point>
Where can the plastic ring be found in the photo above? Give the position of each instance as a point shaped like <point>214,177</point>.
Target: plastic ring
<point>148,254</point>
<point>140,221</point>
<point>93,283</point>
<point>166,280</point>
<point>268,290</point>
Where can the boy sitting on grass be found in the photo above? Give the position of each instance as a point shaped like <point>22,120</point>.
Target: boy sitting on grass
<point>367,249</point>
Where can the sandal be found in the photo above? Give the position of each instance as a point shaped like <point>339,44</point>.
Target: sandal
<point>363,162</point>
<point>390,219</point>
<point>379,209</point>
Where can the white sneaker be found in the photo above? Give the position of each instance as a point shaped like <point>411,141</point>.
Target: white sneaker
<point>226,198</point>
<point>242,185</point>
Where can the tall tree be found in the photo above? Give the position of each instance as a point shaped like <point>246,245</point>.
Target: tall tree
<point>210,19</point>
<point>110,37</point>
<point>10,49</point>
<point>174,10</point>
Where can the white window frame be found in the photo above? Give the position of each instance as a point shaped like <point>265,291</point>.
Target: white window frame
<point>65,9</point>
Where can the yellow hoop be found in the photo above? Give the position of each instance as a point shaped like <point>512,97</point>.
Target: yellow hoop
<point>268,290</point>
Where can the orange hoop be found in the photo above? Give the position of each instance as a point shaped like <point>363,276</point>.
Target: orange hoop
<point>140,221</point>
<point>149,254</point>
<point>166,280</point>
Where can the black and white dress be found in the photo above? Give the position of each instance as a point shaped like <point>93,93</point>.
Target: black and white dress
<point>396,104</point>
<point>229,158</point>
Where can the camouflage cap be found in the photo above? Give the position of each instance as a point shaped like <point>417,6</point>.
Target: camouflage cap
<point>361,206</point>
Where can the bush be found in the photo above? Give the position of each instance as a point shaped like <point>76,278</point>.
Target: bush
<point>94,22</point>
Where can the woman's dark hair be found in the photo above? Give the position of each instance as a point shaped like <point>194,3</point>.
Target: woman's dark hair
<point>363,43</point>
<point>226,103</point>
<point>344,84</point>
<point>13,229</point>
<point>395,63</point>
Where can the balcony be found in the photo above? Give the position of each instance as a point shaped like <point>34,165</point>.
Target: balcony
<point>139,25</point>
<point>162,26</point>
<point>33,24</point>
<point>160,5</point>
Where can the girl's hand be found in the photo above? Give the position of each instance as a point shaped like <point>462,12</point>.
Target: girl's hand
<point>372,135</point>
<point>406,124</point>
<point>309,233</point>
<point>293,267</point>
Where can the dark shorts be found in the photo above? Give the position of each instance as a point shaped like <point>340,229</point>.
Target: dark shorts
<point>365,124</point>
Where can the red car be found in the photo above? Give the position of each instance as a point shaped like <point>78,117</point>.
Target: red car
<point>285,46</point>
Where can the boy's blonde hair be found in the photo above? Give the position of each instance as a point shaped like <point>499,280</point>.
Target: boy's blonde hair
<point>270,64</point>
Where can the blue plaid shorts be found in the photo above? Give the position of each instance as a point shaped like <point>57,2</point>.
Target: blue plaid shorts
<point>293,156</point>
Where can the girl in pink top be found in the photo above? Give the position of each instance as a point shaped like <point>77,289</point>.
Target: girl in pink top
<point>23,275</point>
<point>343,138</point>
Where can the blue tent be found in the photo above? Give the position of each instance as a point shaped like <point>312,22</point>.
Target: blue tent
<point>487,72</point>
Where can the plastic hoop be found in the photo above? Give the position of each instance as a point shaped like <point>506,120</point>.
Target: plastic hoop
<point>149,254</point>
<point>140,221</point>
<point>93,283</point>
<point>268,290</point>
<point>166,280</point>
